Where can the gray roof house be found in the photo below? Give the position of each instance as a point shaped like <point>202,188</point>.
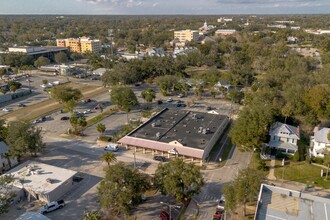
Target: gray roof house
<point>5,164</point>
<point>284,137</point>
<point>319,143</point>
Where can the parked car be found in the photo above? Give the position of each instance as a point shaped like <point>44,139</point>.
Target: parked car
<point>52,206</point>
<point>164,215</point>
<point>219,214</point>
<point>37,121</point>
<point>64,118</point>
<point>77,178</point>
<point>159,158</point>
<point>180,96</point>
<point>21,105</point>
<point>181,105</point>
<point>86,100</point>
<point>159,102</point>
<point>221,203</point>
<point>169,100</point>
<point>88,111</point>
<point>208,108</point>
<point>111,147</point>
<point>5,110</point>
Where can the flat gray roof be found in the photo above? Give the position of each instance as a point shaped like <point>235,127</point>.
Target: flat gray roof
<point>192,129</point>
<point>276,203</point>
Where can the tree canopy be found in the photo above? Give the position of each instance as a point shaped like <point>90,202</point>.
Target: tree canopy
<point>123,97</point>
<point>121,188</point>
<point>148,94</point>
<point>244,189</point>
<point>179,179</point>
<point>22,137</point>
<point>64,94</point>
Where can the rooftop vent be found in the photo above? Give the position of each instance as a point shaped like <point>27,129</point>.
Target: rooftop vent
<point>175,130</point>
<point>158,134</point>
<point>184,125</point>
<point>188,132</point>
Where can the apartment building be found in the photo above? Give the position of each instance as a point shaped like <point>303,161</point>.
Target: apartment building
<point>186,35</point>
<point>88,45</point>
<point>80,45</point>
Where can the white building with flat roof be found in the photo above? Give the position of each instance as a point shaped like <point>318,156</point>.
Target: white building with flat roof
<point>42,181</point>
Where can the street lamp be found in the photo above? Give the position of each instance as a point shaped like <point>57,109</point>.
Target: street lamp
<point>170,207</point>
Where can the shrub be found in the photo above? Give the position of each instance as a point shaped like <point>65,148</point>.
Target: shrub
<point>105,138</point>
<point>317,160</point>
<point>279,154</point>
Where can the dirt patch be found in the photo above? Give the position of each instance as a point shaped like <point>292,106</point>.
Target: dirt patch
<point>50,106</point>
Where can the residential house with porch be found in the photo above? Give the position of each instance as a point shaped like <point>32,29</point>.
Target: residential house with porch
<point>5,161</point>
<point>284,137</point>
<point>319,143</point>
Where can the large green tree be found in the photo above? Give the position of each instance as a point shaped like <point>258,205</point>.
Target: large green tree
<point>123,97</point>
<point>63,93</point>
<point>121,188</point>
<point>6,193</point>
<point>22,137</point>
<point>179,179</point>
<point>318,99</point>
<point>244,189</point>
<point>148,95</point>
<point>67,95</point>
<point>61,57</point>
<point>41,61</point>
<point>77,123</point>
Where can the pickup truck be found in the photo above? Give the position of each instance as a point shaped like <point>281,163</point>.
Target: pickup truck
<point>52,206</point>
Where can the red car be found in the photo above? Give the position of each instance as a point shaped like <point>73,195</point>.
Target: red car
<point>165,216</point>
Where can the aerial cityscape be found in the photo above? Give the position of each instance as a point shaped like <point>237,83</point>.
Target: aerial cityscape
<point>143,110</point>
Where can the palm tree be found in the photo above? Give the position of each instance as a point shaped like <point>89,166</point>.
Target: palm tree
<point>109,158</point>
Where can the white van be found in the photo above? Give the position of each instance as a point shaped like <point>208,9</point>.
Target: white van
<point>111,147</point>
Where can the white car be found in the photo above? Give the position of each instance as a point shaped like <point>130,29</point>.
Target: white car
<point>111,147</point>
<point>51,206</point>
<point>88,111</point>
<point>5,110</point>
<point>169,100</point>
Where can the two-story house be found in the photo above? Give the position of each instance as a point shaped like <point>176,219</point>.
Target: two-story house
<point>284,137</point>
<point>319,143</point>
<point>5,162</point>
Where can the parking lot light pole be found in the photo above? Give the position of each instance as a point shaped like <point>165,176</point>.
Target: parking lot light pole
<point>170,207</point>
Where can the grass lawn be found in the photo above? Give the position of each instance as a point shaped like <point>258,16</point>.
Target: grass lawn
<point>302,172</point>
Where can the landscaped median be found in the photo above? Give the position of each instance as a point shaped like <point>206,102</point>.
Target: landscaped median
<point>302,172</point>
<point>100,117</point>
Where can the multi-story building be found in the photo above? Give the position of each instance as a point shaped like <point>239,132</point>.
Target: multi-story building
<point>80,45</point>
<point>88,45</point>
<point>186,35</point>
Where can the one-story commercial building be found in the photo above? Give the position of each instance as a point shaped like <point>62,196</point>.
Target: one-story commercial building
<point>42,181</point>
<point>178,132</point>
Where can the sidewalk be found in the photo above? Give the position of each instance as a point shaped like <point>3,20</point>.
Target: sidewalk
<point>191,211</point>
<point>271,175</point>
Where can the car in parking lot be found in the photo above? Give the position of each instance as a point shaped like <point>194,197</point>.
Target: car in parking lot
<point>5,110</point>
<point>52,206</point>
<point>181,105</point>
<point>64,118</point>
<point>180,96</point>
<point>164,215</point>
<point>169,100</point>
<point>88,111</point>
<point>111,147</point>
<point>21,105</point>
<point>159,158</point>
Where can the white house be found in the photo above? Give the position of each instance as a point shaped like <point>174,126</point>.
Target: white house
<point>284,137</point>
<point>5,163</point>
<point>319,142</point>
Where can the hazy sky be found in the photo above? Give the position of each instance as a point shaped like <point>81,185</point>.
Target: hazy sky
<point>164,6</point>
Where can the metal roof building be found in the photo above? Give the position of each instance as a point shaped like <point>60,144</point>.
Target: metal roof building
<point>276,203</point>
<point>180,132</point>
